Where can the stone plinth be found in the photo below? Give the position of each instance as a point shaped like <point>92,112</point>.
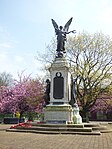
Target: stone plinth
<point>58,113</point>
<point>59,109</point>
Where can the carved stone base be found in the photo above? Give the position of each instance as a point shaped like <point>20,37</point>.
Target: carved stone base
<point>58,113</point>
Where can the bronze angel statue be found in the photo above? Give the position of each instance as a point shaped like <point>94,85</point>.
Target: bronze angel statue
<point>61,34</point>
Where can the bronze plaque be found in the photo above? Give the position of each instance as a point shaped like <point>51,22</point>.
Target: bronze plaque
<point>58,87</point>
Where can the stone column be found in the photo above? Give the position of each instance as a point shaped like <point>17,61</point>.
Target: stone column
<point>60,81</point>
<point>59,109</point>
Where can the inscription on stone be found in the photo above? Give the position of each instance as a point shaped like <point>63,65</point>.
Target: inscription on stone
<point>58,86</point>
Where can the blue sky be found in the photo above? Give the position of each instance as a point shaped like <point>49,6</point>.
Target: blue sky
<point>26,28</point>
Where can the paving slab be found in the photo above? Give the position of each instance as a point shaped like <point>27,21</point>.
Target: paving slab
<point>15,140</point>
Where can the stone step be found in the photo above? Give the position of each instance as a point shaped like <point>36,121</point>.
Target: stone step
<point>41,128</point>
<point>85,128</point>
<point>100,128</point>
<point>106,131</point>
<point>54,132</point>
<point>91,125</point>
<point>58,125</point>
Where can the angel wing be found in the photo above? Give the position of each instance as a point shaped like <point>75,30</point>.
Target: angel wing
<point>55,25</point>
<point>66,27</point>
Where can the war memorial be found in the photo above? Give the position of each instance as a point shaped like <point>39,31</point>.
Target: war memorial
<point>62,107</point>
<point>61,111</point>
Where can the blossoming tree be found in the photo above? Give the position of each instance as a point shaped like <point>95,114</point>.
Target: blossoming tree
<point>25,95</point>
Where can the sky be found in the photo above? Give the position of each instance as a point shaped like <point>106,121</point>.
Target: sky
<point>26,28</point>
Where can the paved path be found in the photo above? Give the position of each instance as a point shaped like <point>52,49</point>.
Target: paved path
<point>14,140</point>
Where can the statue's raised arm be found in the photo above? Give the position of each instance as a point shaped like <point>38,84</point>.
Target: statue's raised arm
<point>61,36</point>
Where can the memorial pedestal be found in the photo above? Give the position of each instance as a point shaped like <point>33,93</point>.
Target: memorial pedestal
<point>59,110</point>
<point>58,113</point>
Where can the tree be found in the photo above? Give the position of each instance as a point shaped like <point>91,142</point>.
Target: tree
<point>104,102</point>
<point>26,95</point>
<point>5,79</point>
<point>90,58</point>
<point>3,94</point>
<point>29,94</point>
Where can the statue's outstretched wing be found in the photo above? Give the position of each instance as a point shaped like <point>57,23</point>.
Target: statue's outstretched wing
<point>66,27</point>
<point>55,25</point>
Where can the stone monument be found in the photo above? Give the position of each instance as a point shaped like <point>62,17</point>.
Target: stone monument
<point>58,107</point>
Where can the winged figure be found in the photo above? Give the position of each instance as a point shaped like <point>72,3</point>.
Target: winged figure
<point>61,34</point>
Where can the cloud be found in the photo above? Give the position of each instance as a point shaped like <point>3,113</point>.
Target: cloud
<point>1,29</point>
<point>105,3</point>
<point>3,57</point>
<point>5,45</point>
<point>5,63</point>
<point>19,59</point>
<point>105,16</point>
<point>6,41</point>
